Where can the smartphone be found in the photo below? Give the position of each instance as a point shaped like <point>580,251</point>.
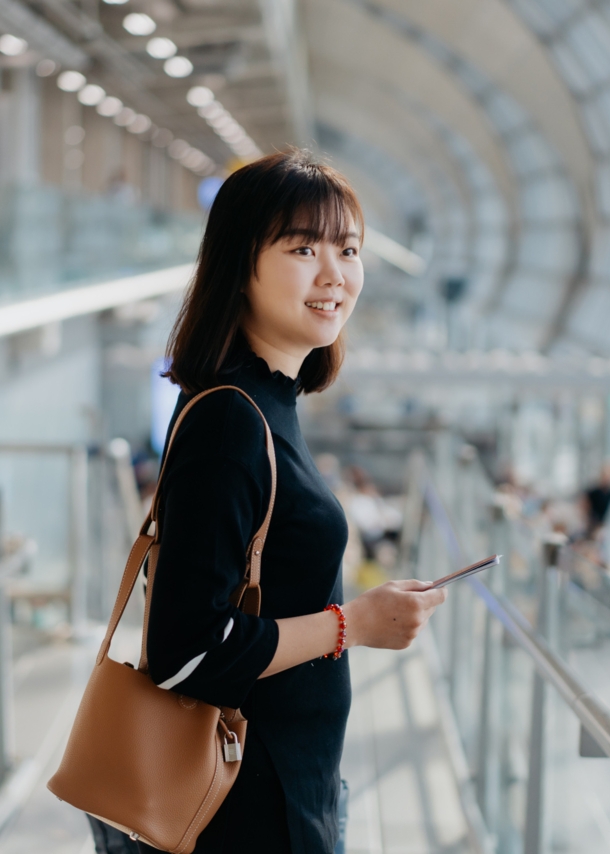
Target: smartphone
<point>494,560</point>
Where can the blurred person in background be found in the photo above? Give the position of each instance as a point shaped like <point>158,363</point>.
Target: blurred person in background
<point>596,500</point>
<point>121,190</point>
<point>377,520</point>
<point>378,523</point>
<point>278,276</point>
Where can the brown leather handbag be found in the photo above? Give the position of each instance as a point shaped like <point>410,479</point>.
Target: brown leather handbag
<point>150,762</point>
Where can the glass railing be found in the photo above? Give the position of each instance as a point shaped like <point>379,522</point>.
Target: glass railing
<point>51,239</point>
<point>81,508</point>
<point>524,656</point>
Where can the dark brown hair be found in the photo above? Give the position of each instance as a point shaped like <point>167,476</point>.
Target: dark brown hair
<point>256,206</point>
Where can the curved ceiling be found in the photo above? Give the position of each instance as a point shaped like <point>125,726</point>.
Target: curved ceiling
<point>479,126</point>
<point>425,81</point>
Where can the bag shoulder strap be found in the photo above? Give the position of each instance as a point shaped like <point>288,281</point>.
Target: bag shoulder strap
<point>261,534</point>
<point>248,594</point>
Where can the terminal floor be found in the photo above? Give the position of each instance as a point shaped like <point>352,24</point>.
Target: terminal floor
<point>403,798</point>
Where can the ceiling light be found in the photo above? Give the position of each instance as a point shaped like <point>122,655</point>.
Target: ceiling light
<point>125,117</point>
<point>178,149</point>
<point>241,149</point>
<point>247,149</point>
<point>46,67</point>
<point>71,81</point>
<point>222,122</point>
<point>161,48</point>
<point>74,135</point>
<point>234,136</point>
<point>110,106</point>
<point>140,124</point>
<point>12,45</point>
<point>139,24</point>
<point>195,159</point>
<point>162,137</point>
<point>91,95</point>
<point>199,96</point>
<point>115,2</point>
<point>211,110</point>
<point>230,130</point>
<point>178,66</point>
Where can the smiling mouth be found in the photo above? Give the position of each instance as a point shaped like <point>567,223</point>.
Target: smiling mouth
<point>323,306</point>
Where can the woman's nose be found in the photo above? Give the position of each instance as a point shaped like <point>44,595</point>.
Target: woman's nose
<point>330,275</point>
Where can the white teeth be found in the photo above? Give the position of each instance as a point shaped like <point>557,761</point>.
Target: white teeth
<point>325,306</point>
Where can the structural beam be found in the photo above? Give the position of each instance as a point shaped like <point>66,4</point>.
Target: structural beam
<point>288,51</point>
<point>17,19</point>
<point>30,314</point>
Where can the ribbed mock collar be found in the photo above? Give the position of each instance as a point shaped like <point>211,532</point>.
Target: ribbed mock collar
<point>254,368</point>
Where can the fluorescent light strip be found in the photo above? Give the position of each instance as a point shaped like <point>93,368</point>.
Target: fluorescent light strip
<point>224,125</point>
<point>394,253</point>
<point>89,299</point>
<point>92,95</point>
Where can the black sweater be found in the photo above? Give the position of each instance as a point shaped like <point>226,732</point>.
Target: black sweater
<point>215,494</point>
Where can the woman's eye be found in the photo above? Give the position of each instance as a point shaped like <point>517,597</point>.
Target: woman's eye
<point>304,250</point>
<point>351,251</point>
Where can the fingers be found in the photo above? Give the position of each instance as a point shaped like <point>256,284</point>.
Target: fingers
<point>430,598</point>
<point>433,598</point>
<point>413,584</point>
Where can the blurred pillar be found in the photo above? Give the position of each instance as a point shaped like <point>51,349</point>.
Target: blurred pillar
<point>79,519</point>
<point>26,127</point>
<point>5,669</point>
<point>288,49</point>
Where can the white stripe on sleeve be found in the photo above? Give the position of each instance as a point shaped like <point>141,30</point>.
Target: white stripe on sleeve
<point>191,665</point>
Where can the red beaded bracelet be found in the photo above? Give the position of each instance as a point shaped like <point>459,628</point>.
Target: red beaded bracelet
<point>342,631</point>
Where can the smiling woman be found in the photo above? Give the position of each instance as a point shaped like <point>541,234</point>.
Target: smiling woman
<point>288,222</point>
<point>279,274</point>
<point>303,290</point>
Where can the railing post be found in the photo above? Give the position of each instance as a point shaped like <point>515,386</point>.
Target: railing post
<point>79,518</point>
<point>490,744</point>
<point>462,606</point>
<point>413,508</point>
<point>6,688</point>
<point>120,452</point>
<point>548,626</point>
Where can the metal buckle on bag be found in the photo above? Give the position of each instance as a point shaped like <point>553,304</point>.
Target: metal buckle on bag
<point>135,836</point>
<point>232,750</point>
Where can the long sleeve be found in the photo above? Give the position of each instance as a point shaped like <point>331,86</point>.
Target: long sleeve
<point>214,498</point>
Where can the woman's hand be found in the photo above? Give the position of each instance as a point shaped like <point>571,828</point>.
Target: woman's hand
<point>389,616</point>
<point>392,615</point>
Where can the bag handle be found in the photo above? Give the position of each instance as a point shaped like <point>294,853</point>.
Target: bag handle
<point>261,534</point>
<point>247,596</point>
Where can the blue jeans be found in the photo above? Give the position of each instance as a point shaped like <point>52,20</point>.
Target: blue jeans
<point>343,799</point>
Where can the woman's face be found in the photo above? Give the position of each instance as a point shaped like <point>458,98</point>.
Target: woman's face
<point>303,292</point>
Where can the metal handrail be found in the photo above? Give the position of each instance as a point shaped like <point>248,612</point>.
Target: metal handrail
<point>590,711</point>
<point>593,715</point>
<point>10,564</point>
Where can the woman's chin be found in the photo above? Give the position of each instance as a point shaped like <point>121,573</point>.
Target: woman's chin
<point>323,337</point>
<point>324,341</point>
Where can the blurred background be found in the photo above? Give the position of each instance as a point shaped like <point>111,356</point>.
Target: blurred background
<point>472,415</point>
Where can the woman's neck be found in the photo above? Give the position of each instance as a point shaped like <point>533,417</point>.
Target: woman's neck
<point>277,359</point>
